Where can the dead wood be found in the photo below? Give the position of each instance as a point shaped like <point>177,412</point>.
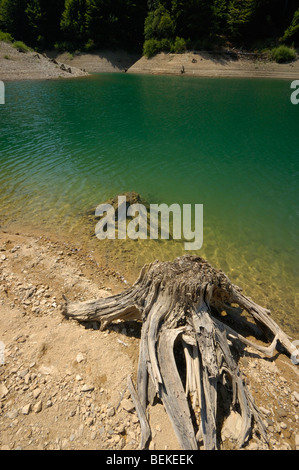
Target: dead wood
<point>179,304</point>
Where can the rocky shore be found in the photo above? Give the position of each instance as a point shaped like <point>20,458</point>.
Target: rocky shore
<point>63,385</point>
<point>16,65</point>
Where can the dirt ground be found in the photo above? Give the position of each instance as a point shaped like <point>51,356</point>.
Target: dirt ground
<point>205,64</point>
<point>63,385</point>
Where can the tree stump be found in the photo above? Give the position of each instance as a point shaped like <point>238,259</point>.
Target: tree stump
<point>185,349</point>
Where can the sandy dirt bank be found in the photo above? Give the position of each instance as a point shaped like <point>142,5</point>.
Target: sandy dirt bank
<point>204,64</point>
<point>98,62</point>
<point>63,385</point>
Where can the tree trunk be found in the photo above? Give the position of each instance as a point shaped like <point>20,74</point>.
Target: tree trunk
<point>178,303</point>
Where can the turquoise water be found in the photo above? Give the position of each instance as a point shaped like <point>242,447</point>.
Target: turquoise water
<point>231,145</point>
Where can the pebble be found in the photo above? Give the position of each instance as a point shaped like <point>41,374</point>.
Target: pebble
<point>37,407</point>
<point>128,405</point>
<point>26,409</point>
<point>110,412</point>
<point>80,358</point>
<point>3,391</point>
<point>281,413</point>
<point>36,393</point>
<point>87,388</point>
<point>265,411</point>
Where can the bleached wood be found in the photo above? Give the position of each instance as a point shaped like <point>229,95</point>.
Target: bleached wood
<point>178,303</point>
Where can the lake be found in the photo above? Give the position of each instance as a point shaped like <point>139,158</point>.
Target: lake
<point>229,144</point>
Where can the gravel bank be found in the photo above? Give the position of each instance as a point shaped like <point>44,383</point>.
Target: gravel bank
<point>63,385</point>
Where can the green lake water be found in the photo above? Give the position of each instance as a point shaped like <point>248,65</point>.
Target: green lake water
<point>229,144</point>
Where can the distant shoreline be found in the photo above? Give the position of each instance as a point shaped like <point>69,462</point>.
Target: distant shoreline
<point>205,64</point>
<point>16,65</point>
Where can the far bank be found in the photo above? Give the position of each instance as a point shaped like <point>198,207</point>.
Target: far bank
<point>16,65</point>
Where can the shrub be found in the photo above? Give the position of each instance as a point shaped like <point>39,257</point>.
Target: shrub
<point>6,37</point>
<point>165,45</point>
<point>64,46</point>
<point>283,54</point>
<point>179,46</point>
<point>90,45</point>
<point>151,47</point>
<point>21,46</point>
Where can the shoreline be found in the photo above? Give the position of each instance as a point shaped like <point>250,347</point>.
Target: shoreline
<point>16,65</point>
<point>49,358</point>
<point>205,64</point>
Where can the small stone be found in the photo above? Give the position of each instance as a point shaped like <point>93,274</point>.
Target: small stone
<point>296,395</point>
<point>232,427</point>
<point>23,373</point>
<point>110,412</point>
<point>87,388</point>
<point>128,405</point>
<point>26,409</point>
<point>297,441</point>
<point>36,392</point>
<point>121,429</point>
<point>265,411</point>
<point>38,407</point>
<point>89,421</point>
<point>80,358</point>
<point>281,413</point>
<point>3,391</point>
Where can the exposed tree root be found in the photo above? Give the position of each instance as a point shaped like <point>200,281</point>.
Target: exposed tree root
<point>178,303</point>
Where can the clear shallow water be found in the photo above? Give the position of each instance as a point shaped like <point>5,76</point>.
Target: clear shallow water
<point>231,145</point>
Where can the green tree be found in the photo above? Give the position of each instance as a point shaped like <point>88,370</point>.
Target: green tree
<point>240,13</point>
<point>73,22</point>
<point>291,34</point>
<point>13,18</point>
<point>159,24</point>
<point>43,18</point>
<point>194,19</point>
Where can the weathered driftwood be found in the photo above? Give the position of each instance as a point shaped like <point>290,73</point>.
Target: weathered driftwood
<point>178,303</point>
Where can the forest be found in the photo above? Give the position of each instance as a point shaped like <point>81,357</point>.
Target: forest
<point>150,25</point>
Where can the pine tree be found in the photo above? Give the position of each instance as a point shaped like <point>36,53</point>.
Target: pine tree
<point>13,18</point>
<point>73,21</point>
